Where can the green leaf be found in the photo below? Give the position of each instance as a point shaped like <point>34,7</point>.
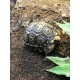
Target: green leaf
<point>61,70</point>
<point>58,60</point>
<point>65,27</point>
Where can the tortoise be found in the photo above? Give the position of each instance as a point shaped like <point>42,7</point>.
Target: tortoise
<point>40,36</point>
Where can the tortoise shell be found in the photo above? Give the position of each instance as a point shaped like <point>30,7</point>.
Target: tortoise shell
<point>40,36</point>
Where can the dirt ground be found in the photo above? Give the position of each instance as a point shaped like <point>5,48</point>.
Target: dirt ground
<point>30,65</point>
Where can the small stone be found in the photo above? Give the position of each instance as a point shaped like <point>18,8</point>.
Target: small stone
<point>25,23</point>
<point>44,6</point>
<point>63,32</point>
<point>42,77</point>
<point>64,15</point>
<point>57,38</point>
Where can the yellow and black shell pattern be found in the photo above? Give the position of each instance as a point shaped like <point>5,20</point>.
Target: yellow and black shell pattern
<point>39,35</point>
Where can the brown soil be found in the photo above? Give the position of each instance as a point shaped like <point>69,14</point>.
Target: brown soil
<point>30,65</point>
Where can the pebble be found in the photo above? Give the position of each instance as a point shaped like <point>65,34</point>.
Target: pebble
<point>44,6</point>
<point>25,23</point>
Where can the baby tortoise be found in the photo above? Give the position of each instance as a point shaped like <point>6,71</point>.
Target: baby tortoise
<point>41,36</point>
